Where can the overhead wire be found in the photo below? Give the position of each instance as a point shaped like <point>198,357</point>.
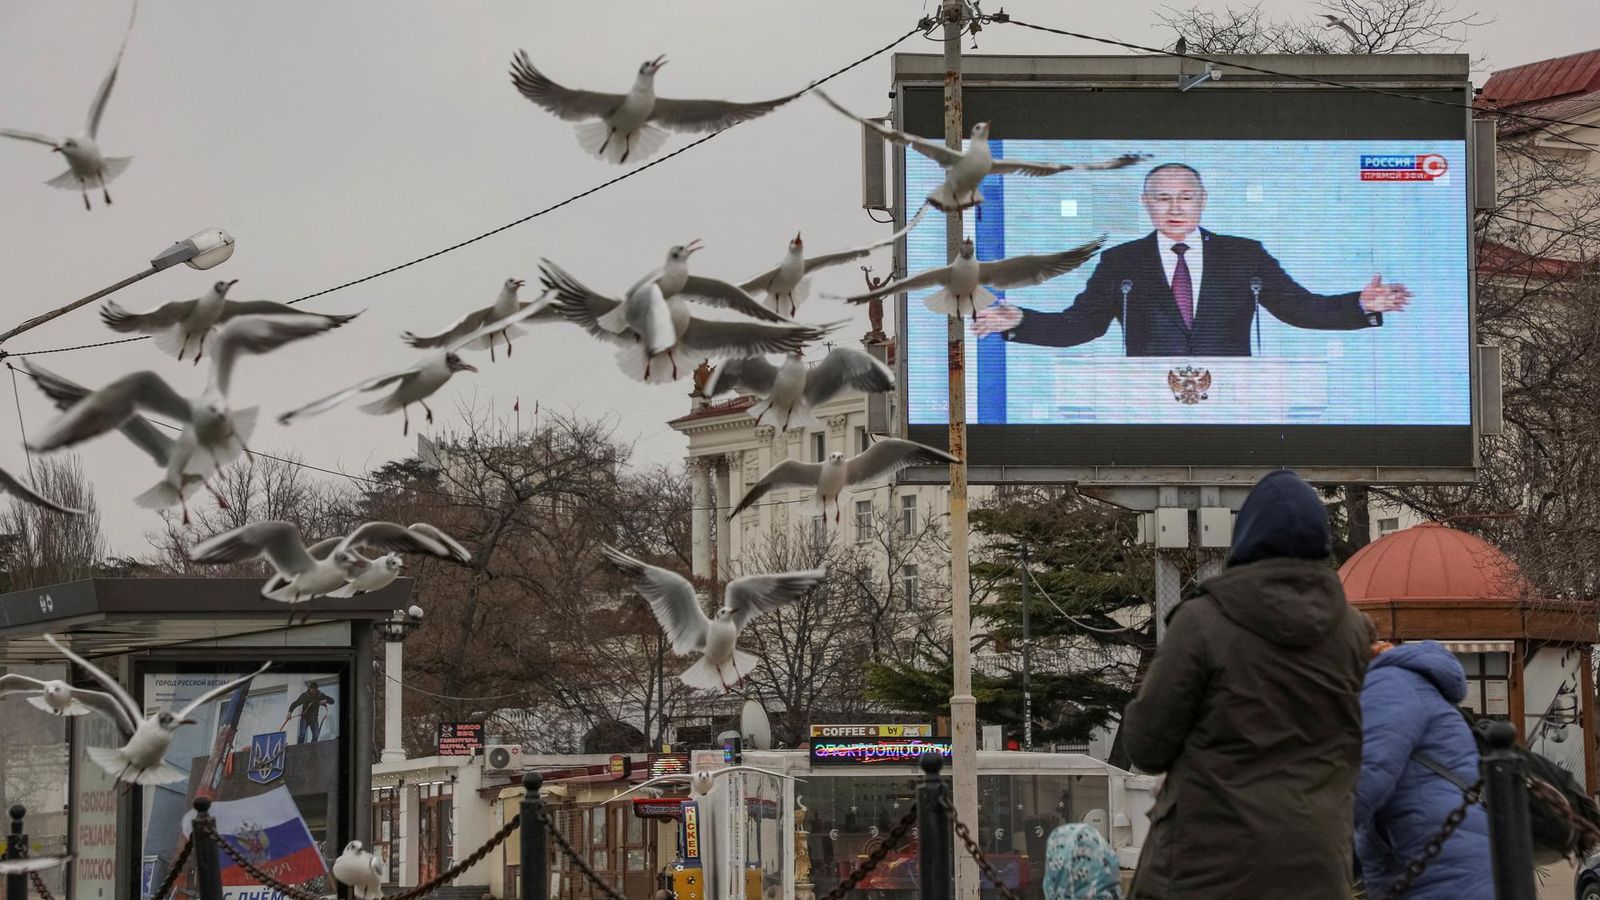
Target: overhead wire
<point>514,223</point>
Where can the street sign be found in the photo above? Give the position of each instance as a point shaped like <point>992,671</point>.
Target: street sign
<point>460,738</point>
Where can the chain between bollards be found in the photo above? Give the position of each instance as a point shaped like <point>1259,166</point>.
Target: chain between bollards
<point>174,871</point>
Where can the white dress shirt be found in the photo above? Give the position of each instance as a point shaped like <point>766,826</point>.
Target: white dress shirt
<point>1195,256</point>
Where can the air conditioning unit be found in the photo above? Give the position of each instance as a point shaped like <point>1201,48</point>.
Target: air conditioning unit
<point>502,758</point>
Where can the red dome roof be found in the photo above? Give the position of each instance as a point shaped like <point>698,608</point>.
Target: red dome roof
<point>1429,562</point>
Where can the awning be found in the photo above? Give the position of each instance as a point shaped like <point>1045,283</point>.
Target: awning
<point>1479,646</point>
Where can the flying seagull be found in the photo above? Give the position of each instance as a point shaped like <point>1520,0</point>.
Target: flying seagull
<point>86,166</point>
<point>141,759</point>
<point>829,478</point>
<point>10,484</point>
<point>701,782</point>
<point>675,281</point>
<point>1342,25</point>
<point>965,170</point>
<point>300,576</point>
<point>416,384</point>
<point>651,329</point>
<point>793,390</point>
<point>54,696</point>
<point>963,280</point>
<point>672,599</point>
<point>181,326</point>
<point>506,304</point>
<point>31,864</point>
<point>789,283</point>
<point>361,869</point>
<point>213,435</point>
<point>619,127</point>
<point>136,428</point>
<point>370,575</point>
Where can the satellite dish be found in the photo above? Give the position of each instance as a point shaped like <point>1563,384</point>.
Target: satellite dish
<point>755,728</point>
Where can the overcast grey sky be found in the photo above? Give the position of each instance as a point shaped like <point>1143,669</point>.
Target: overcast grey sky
<point>336,139</point>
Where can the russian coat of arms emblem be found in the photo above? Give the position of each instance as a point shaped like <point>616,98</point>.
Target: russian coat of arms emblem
<point>1189,384</point>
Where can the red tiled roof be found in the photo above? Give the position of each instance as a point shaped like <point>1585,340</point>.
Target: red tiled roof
<point>1548,79</point>
<point>712,410</point>
<point>1498,259</point>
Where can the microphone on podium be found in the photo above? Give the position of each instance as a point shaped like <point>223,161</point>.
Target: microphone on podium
<point>1127,285</point>
<point>1255,291</point>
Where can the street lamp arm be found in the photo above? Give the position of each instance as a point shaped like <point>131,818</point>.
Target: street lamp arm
<point>38,320</point>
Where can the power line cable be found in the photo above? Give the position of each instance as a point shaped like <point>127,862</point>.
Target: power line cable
<point>527,218</point>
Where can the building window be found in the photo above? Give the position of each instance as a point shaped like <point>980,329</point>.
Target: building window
<point>862,440</point>
<point>908,514</point>
<point>1388,526</point>
<point>1488,683</point>
<point>863,521</point>
<point>819,447</point>
<point>908,580</point>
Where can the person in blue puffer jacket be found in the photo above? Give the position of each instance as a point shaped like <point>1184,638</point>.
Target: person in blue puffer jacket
<point>1408,708</point>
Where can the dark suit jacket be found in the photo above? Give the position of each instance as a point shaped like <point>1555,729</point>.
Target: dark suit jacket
<point>1225,308</point>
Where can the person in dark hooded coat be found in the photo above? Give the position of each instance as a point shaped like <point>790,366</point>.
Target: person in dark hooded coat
<point>1252,708</point>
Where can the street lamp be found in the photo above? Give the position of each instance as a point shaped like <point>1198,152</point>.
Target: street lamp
<point>201,250</point>
<point>395,629</point>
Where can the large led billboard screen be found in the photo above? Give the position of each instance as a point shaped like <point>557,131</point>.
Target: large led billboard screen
<point>1284,280</point>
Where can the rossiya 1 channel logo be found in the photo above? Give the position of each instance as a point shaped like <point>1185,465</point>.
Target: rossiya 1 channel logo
<point>1402,167</point>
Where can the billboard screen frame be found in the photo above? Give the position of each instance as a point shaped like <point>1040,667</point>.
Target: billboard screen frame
<point>996,86</point>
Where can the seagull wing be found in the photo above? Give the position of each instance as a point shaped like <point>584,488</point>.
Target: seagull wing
<point>889,456</point>
<point>846,367</point>
<point>746,338</point>
<point>1023,167</point>
<point>925,278</point>
<point>721,294</point>
<point>823,260</point>
<point>671,598</point>
<point>279,542</point>
<point>710,115</point>
<point>34,136</point>
<point>495,326</point>
<point>10,485</point>
<point>19,684</point>
<point>789,473</point>
<point>388,536</point>
<point>450,544</point>
<point>576,302</point>
<point>141,431</point>
<point>1021,271</point>
<point>218,691</point>
<point>751,373</point>
<point>659,779</point>
<point>260,334</point>
<point>164,316</point>
<point>322,548</point>
<point>467,324</point>
<point>106,705</point>
<point>752,595</point>
<point>126,712</point>
<point>332,400</point>
<point>31,864</point>
<point>233,309</point>
<point>110,407</point>
<point>566,103</point>
<point>939,153</point>
<point>97,109</point>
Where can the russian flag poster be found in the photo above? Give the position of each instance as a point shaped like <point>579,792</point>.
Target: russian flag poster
<point>266,829</point>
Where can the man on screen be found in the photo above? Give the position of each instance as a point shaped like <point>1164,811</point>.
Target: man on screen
<point>1183,291</point>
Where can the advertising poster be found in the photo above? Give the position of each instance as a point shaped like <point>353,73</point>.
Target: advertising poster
<point>269,755</point>
<point>94,806</point>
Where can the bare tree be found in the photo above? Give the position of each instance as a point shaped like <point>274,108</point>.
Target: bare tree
<point>41,546</point>
<point>1368,26</point>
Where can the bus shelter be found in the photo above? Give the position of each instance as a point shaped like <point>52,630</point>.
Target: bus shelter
<point>285,757</point>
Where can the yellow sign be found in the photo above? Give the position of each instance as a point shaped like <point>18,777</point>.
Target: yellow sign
<point>691,831</point>
<point>871,731</point>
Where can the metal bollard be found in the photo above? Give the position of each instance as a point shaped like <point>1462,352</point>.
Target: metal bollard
<point>1505,786</point>
<point>204,851</point>
<point>535,869</point>
<point>934,863</point>
<point>17,848</point>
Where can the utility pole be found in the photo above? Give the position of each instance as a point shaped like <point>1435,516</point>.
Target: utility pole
<point>1027,656</point>
<point>963,705</point>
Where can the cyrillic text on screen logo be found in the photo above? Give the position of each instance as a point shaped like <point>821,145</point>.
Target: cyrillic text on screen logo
<point>1402,167</point>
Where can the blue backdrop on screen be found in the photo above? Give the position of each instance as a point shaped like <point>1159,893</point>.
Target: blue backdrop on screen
<point>1332,213</point>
